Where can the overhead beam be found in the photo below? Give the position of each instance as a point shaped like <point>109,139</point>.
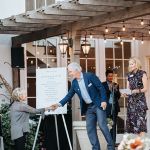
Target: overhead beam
<point>109,3</point>
<point>13,32</point>
<point>8,22</point>
<point>24,19</point>
<point>96,21</point>
<point>113,17</point>
<point>139,0</point>
<point>38,35</point>
<point>40,15</point>
<point>14,28</point>
<point>61,12</point>
<point>82,7</point>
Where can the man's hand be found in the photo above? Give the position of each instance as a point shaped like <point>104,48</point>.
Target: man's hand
<point>54,106</point>
<point>103,105</point>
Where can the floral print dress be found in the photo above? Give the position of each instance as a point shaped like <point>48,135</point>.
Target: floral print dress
<point>136,105</point>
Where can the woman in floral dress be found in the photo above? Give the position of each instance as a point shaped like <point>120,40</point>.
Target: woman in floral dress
<point>136,105</point>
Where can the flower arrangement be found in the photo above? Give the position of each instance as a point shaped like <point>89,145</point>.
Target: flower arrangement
<point>109,123</point>
<point>134,142</point>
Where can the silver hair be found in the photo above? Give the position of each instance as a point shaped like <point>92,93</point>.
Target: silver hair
<point>74,66</point>
<point>17,93</point>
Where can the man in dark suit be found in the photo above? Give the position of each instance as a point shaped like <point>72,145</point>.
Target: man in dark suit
<point>93,98</point>
<point>113,95</point>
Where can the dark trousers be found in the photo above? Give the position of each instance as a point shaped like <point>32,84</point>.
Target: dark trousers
<point>113,115</point>
<point>20,143</point>
<point>113,130</point>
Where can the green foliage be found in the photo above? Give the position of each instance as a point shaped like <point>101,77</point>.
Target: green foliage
<point>8,143</point>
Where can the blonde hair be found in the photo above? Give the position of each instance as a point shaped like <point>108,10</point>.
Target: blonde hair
<point>137,63</point>
<point>17,93</point>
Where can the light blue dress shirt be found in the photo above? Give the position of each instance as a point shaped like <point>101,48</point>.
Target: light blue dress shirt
<point>83,90</point>
<point>111,95</point>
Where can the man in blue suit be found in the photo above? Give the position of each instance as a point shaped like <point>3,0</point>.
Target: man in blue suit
<point>93,98</point>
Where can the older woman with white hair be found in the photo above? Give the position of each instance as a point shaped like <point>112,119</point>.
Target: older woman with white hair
<point>19,114</point>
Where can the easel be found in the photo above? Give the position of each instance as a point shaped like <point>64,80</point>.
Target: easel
<point>57,136</point>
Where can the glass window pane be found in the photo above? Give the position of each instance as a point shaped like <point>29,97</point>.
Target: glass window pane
<point>109,64</point>
<point>91,53</point>
<point>91,65</point>
<point>109,52</point>
<point>118,50</point>
<point>42,63</point>
<point>51,51</point>
<point>127,50</point>
<point>120,82</point>
<point>41,51</point>
<point>83,65</point>
<point>31,48</point>
<point>52,62</point>
<point>31,87</point>
<point>119,70</point>
<point>31,67</point>
<point>126,64</point>
<point>32,102</point>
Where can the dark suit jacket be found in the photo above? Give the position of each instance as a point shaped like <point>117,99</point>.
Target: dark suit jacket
<point>95,90</point>
<point>115,98</point>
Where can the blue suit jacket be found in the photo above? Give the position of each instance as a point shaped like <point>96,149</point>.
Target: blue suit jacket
<point>94,87</point>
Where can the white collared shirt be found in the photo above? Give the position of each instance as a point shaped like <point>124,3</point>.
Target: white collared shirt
<point>84,92</point>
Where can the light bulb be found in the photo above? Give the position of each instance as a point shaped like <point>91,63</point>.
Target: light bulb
<point>123,28</point>
<point>133,38</point>
<point>106,30</point>
<point>142,22</point>
<point>121,42</point>
<point>91,36</point>
<point>142,42</point>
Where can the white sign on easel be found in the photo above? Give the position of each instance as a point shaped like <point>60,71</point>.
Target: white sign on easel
<point>51,87</point>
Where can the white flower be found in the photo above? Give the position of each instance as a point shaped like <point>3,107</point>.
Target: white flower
<point>109,123</point>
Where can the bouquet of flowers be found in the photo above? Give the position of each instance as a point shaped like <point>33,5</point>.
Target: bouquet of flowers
<point>109,123</point>
<point>134,142</point>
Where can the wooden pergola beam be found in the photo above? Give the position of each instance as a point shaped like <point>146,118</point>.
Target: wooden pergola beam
<point>96,21</point>
<point>113,17</point>
<point>38,35</point>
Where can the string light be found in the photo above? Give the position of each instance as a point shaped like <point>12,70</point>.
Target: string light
<point>123,28</point>
<point>104,39</point>
<point>142,42</point>
<point>142,22</point>
<point>91,36</point>
<point>142,39</point>
<point>106,30</point>
<point>133,38</point>
<point>121,42</point>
